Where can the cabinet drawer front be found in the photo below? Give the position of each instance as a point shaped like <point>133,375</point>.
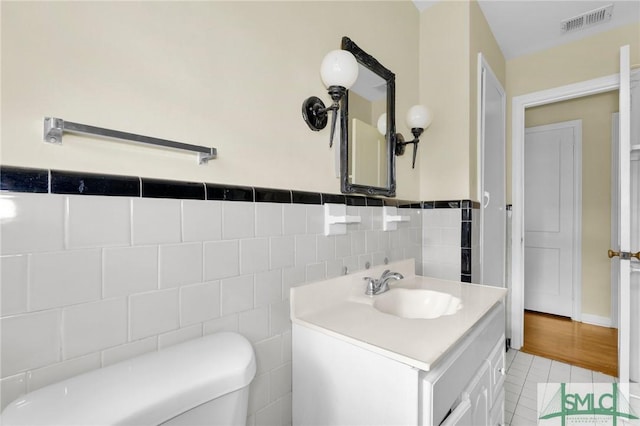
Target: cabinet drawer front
<point>497,411</point>
<point>498,371</point>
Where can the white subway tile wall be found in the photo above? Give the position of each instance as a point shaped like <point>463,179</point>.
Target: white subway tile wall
<point>64,278</point>
<point>128,270</point>
<point>91,327</point>
<point>13,275</point>
<point>37,224</point>
<point>441,244</point>
<point>201,221</point>
<point>113,215</point>
<point>180,264</point>
<point>155,221</point>
<point>88,281</point>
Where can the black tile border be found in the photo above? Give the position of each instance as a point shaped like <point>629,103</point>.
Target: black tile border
<point>34,180</point>
<point>333,199</point>
<point>229,192</point>
<point>24,179</point>
<point>17,179</point>
<point>266,195</point>
<point>352,200</point>
<point>79,183</point>
<point>302,197</point>
<point>465,261</point>
<point>158,188</point>
<point>447,204</point>
<point>375,202</point>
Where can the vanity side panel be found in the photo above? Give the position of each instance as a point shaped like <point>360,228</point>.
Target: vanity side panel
<point>337,383</point>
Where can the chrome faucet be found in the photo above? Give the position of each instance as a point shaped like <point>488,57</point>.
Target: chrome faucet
<point>375,287</point>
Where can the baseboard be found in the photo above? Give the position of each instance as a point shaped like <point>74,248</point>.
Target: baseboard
<point>596,320</point>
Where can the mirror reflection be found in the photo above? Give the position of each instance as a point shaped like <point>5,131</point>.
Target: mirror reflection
<point>368,148</point>
<point>367,160</point>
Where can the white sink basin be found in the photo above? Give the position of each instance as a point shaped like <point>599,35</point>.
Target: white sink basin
<point>417,303</point>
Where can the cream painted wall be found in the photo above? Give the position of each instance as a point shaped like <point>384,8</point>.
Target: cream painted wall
<point>451,35</point>
<point>231,75</point>
<point>444,87</point>
<point>595,112</point>
<point>590,58</point>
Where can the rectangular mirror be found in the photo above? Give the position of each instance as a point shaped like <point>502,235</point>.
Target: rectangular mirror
<point>367,160</point>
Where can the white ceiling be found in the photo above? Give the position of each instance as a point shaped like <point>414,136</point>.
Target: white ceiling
<point>526,26</point>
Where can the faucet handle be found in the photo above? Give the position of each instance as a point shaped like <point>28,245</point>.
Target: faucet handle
<point>384,274</point>
<point>371,286</point>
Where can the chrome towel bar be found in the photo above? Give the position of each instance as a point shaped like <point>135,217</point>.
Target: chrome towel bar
<point>55,127</point>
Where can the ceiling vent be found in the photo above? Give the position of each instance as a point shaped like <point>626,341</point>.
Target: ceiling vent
<point>587,19</point>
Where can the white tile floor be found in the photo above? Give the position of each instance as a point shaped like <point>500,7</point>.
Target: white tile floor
<point>525,371</point>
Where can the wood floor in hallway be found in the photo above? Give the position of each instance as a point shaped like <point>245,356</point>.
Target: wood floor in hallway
<point>584,345</point>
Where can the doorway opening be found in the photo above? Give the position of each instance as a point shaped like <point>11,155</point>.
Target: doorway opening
<point>520,104</point>
<point>564,258</point>
<point>627,302</point>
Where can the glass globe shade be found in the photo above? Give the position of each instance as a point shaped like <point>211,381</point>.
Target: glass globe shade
<point>382,124</point>
<point>339,68</point>
<point>419,116</point>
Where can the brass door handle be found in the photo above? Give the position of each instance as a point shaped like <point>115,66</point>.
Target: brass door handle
<point>623,254</point>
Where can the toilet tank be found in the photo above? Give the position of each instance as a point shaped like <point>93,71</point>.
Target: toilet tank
<point>147,390</point>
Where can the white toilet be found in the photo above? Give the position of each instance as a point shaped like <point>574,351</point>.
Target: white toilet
<point>199,382</point>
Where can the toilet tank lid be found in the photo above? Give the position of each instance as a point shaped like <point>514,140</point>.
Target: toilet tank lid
<point>148,389</point>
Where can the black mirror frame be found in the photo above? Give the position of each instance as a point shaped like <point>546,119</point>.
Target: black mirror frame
<point>345,186</point>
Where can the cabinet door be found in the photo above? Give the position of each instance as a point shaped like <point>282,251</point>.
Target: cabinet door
<point>497,411</point>
<point>460,416</point>
<point>478,393</point>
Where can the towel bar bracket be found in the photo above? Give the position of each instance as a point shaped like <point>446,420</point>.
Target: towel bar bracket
<point>54,128</point>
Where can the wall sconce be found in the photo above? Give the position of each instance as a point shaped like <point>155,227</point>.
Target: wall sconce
<point>418,118</point>
<point>339,70</point>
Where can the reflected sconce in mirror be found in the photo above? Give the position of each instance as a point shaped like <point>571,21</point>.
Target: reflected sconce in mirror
<point>339,70</point>
<point>418,119</point>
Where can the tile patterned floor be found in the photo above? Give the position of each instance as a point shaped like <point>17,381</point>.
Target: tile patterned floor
<point>525,371</point>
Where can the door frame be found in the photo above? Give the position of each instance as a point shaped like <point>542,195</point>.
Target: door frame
<point>576,249</point>
<point>484,69</point>
<point>519,105</point>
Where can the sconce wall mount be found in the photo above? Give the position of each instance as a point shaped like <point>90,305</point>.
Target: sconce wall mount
<point>418,119</point>
<point>339,70</point>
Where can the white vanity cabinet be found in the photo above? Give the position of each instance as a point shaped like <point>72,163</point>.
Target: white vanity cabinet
<point>336,382</point>
<point>358,362</point>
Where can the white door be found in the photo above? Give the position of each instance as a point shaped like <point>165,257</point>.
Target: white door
<point>492,178</point>
<point>634,323</point>
<point>634,367</point>
<point>624,251</point>
<point>549,217</point>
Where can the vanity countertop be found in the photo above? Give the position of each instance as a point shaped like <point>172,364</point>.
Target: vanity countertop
<point>339,307</point>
